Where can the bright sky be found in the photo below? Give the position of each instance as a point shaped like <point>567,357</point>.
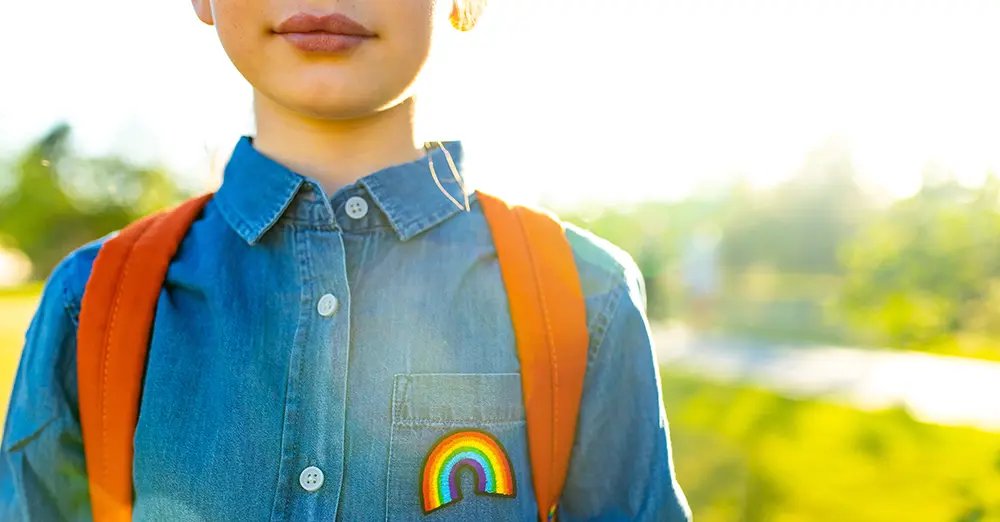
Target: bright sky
<point>564,99</point>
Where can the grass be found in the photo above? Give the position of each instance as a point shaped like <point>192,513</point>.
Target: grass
<point>16,309</point>
<point>31,291</point>
<point>745,454</point>
<point>748,455</point>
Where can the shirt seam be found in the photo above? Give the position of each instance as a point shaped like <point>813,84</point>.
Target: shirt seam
<point>289,411</point>
<point>318,227</point>
<point>602,323</point>
<point>457,421</point>
<point>70,306</point>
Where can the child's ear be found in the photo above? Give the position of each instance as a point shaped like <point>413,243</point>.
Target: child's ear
<point>465,13</point>
<point>203,8</point>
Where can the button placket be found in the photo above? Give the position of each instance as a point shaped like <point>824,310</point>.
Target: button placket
<point>316,397</point>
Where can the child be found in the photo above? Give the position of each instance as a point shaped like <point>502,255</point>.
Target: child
<point>336,309</point>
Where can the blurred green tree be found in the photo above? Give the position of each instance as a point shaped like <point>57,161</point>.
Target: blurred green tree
<point>929,267</point>
<point>798,226</point>
<point>56,200</point>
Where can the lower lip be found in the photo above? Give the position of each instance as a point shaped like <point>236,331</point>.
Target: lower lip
<point>323,42</point>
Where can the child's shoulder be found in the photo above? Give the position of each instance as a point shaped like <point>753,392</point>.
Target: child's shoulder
<point>604,267</point>
<point>614,292</point>
<point>70,276</point>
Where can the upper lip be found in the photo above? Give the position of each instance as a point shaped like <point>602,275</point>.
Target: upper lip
<point>335,23</point>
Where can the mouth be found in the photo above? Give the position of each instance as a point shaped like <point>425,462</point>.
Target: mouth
<point>332,33</point>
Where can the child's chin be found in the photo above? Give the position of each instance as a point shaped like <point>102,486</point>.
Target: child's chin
<point>340,102</point>
<point>341,108</point>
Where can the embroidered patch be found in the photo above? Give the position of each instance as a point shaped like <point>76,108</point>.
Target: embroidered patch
<point>469,448</point>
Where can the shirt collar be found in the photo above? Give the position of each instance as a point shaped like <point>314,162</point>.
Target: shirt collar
<point>256,191</point>
<point>409,197</point>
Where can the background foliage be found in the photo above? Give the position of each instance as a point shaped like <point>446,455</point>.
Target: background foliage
<point>53,200</point>
<point>820,258</point>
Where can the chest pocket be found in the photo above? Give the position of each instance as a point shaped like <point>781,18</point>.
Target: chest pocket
<point>458,449</point>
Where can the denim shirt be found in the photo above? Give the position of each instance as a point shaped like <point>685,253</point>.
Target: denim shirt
<point>309,352</point>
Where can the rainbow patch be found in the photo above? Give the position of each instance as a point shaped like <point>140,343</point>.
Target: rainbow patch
<point>474,449</point>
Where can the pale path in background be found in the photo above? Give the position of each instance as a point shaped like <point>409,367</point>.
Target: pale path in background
<point>951,391</point>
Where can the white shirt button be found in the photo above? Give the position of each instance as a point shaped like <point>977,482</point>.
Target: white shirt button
<point>356,207</point>
<point>311,479</point>
<point>327,305</point>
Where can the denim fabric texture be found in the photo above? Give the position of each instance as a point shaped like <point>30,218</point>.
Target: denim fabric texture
<point>255,373</point>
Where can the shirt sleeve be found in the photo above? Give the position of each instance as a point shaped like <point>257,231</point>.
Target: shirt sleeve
<point>43,472</point>
<point>621,467</point>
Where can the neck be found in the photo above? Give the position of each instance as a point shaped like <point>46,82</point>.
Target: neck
<point>336,152</point>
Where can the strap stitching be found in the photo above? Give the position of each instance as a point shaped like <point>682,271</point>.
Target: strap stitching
<point>551,345</point>
<point>107,351</point>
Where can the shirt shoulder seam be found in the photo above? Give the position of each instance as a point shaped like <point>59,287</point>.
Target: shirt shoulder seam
<point>602,323</point>
<point>70,300</point>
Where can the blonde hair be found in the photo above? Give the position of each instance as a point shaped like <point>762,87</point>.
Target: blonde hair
<point>466,13</point>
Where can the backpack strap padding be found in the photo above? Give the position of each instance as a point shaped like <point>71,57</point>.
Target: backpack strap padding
<point>548,312</point>
<point>116,315</point>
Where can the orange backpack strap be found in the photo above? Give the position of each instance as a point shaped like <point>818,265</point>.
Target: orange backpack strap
<point>117,312</point>
<point>550,325</point>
